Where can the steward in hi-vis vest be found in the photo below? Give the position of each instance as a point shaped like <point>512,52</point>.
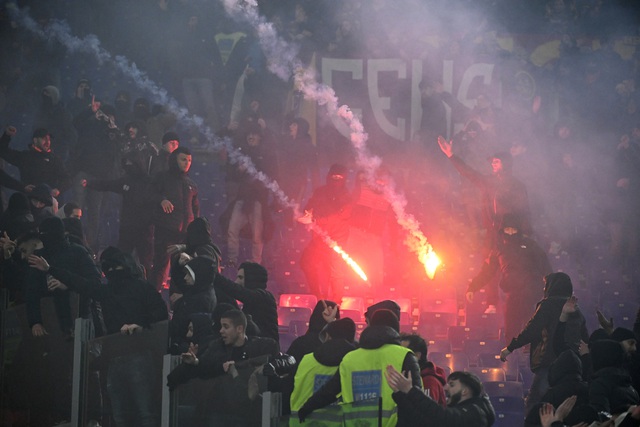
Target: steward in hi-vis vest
<point>360,377</point>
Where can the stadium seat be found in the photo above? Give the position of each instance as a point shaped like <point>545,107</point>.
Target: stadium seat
<point>286,315</point>
<point>298,300</point>
<point>504,389</point>
<point>473,348</point>
<point>488,374</point>
<point>435,325</point>
<point>455,361</point>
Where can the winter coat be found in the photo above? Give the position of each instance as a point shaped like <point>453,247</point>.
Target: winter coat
<point>433,380</point>
<point>423,411</point>
<point>181,191</point>
<point>256,301</point>
<point>197,298</point>
<point>540,329</point>
<point>36,167</point>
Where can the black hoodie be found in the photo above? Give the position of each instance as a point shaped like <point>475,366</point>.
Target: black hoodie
<point>256,300</point>
<point>175,186</point>
<point>565,380</point>
<point>197,298</point>
<point>539,332</point>
<point>610,388</point>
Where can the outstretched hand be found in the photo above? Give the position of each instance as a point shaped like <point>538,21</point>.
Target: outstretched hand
<point>569,308</point>
<point>607,325</point>
<point>445,146</point>
<point>398,381</point>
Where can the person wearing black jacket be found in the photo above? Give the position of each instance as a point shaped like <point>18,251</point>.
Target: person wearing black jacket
<point>96,156</point>
<point>467,404</point>
<point>175,205</point>
<point>66,256</point>
<point>136,229</point>
<point>198,297</point>
<point>228,404</point>
<point>540,331</point>
<point>129,304</point>
<point>521,262</point>
<point>38,164</point>
<point>250,288</point>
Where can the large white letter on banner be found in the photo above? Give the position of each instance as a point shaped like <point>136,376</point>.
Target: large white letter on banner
<point>329,65</point>
<point>476,70</point>
<point>379,103</point>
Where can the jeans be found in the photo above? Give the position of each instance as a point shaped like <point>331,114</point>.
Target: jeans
<point>238,220</point>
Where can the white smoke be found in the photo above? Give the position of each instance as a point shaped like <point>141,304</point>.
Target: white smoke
<point>60,31</point>
<point>282,60</point>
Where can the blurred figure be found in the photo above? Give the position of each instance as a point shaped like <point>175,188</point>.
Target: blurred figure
<point>433,377</point>
<point>330,208</point>
<point>175,204</point>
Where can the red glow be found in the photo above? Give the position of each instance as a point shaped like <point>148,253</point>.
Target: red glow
<point>354,265</point>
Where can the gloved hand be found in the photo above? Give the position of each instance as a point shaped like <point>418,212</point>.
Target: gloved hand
<point>279,365</point>
<point>303,414</point>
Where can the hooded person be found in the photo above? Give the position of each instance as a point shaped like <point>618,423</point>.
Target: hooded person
<point>174,198</point>
<point>540,330</point>
<point>360,374</point>
<point>565,380</point>
<point>41,203</point>
<point>17,219</point>
<point>129,304</point>
<point>198,243</point>
<point>610,389</point>
<point>54,116</point>
<point>386,304</point>
<point>60,254</point>
<point>330,209</point>
<point>322,315</point>
<point>250,288</point>
<point>316,368</point>
<point>198,297</point>
<point>519,262</point>
<point>135,225</point>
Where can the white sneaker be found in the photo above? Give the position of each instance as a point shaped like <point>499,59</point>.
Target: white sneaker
<point>491,309</point>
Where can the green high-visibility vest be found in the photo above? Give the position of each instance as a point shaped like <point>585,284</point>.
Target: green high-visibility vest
<point>311,375</point>
<point>362,379</point>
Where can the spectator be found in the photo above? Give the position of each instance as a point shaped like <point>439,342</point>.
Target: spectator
<point>539,332</point>
<point>250,288</point>
<point>160,163</point>
<point>610,387</point>
<point>136,228</point>
<point>38,164</point>
<point>251,207</point>
<point>96,157</point>
<point>41,203</point>
<point>70,210</point>
<point>175,205</point>
<point>467,404</point>
<point>330,208</point>
<point>66,256</point>
<point>521,262</point>
<point>198,297</point>
<point>53,116</point>
<point>17,219</point>
<point>433,377</point>
<point>129,304</point>
<point>226,406</point>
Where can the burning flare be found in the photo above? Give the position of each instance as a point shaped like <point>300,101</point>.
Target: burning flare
<point>430,261</point>
<point>350,262</point>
